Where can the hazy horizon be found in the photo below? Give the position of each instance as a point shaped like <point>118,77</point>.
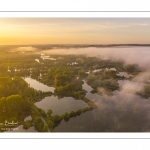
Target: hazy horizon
<point>132,44</point>
<point>103,31</point>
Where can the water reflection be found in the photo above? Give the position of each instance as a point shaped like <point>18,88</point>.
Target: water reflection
<point>28,118</point>
<point>37,60</point>
<point>60,106</point>
<point>38,86</point>
<point>122,112</point>
<point>47,57</point>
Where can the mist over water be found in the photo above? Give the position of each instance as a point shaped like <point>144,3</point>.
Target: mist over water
<point>130,55</point>
<point>122,112</point>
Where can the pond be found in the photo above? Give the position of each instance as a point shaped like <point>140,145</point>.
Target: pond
<point>37,60</point>
<point>60,106</point>
<point>38,86</point>
<point>47,57</point>
<point>28,118</point>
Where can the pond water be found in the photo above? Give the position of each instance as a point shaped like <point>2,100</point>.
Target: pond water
<point>47,57</point>
<point>60,106</point>
<point>94,71</point>
<point>38,86</point>
<point>114,69</point>
<point>28,118</point>
<point>122,112</point>
<point>97,70</point>
<point>37,60</point>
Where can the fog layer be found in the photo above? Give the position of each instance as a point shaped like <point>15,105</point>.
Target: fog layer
<point>130,55</point>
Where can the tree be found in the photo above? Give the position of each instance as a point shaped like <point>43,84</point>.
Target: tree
<point>45,128</point>
<point>61,79</point>
<point>14,102</point>
<point>66,115</point>
<point>49,112</point>
<point>42,112</point>
<point>39,123</point>
<point>109,74</point>
<point>50,124</point>
<point>56,118</point>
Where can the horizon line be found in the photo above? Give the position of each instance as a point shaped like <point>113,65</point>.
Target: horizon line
<point>77,44</point>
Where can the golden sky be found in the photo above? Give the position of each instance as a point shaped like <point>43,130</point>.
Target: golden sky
<point>74,31</point>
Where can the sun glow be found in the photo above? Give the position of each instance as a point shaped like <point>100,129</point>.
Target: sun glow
<point>74,31</point>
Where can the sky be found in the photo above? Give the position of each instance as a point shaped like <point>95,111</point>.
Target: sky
<point>18,31</point>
